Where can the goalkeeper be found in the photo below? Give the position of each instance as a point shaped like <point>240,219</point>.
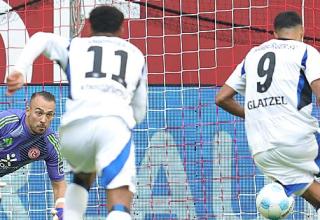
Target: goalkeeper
<point>25,137</point>
<point>277,79</point>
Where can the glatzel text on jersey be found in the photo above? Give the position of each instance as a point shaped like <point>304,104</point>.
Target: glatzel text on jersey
<point>268,101</point>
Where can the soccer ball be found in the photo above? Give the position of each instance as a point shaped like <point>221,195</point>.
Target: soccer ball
<point>273,203</point>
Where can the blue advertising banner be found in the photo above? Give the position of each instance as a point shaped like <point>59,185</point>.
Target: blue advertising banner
<point>192,160</point>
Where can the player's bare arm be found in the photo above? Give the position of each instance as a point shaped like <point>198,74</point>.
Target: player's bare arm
<point>39,43</point>
<point>315,86</point>
<point>59,188</point>
<point>225,99</point>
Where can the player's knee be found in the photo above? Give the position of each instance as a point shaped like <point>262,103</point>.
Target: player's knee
<point>83,180</point>
<point>119,211</point>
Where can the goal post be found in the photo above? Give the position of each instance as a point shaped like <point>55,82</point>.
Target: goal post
<point>192,158</point>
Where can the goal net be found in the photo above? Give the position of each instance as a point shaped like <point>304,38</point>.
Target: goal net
<point>192,158</point>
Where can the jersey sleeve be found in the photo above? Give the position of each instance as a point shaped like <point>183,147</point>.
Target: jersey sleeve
<point>7,120</point>
<point>311,62</point>
<point>51,45</point>
<point>54,161</point>
<point>237,80</point>
<point>139,100</point>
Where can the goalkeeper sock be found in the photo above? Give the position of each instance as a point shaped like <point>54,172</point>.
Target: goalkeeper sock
<point>76,202</point>
<point>117,215</point>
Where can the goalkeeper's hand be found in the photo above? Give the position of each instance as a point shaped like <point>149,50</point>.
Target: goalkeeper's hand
<point>57,213</point>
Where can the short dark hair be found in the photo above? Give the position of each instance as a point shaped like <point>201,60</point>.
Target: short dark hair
<point>46,95</point>
<point>106,19</point>
<point>287,19</point>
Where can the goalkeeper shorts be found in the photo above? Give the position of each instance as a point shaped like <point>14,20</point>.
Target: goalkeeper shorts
<point>102,145</point>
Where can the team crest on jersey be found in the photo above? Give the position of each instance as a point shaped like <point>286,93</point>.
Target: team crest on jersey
<point>34,153</point>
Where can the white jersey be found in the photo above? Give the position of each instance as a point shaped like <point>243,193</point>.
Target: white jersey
<point>275,79</point>
<point>107,75</point>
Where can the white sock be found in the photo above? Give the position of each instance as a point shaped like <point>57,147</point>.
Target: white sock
<point>118,215</point>
<point>318,214</point>
<point>76,202</point>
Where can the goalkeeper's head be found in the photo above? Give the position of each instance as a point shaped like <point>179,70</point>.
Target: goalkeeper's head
<point>40,112</point>
<point>106,21</point>
<point>288,25</point>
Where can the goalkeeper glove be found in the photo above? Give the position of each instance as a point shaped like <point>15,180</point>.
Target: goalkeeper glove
<point>57,213</point>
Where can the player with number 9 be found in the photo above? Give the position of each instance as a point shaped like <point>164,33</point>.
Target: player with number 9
<point>277,79</point>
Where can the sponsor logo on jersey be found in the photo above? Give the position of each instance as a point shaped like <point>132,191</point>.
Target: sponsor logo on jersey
<point>34,153</point>
<point>6,142</point>
<point>7,161</point>
<point>105,88</point>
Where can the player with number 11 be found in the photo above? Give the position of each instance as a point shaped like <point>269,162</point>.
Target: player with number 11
<point>108,95</point>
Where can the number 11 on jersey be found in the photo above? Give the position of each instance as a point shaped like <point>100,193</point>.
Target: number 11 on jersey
<point>97,61</point>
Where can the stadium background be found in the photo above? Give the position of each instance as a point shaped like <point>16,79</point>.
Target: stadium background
<point>192,158</point>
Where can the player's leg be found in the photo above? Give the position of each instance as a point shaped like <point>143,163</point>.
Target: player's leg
<point>116,166</point>
<point>77,195</point>
<point>293,167</point>
<point>120,190</point>
<point>312,195</point>
<point>79,150</point>
<point>119,203</point>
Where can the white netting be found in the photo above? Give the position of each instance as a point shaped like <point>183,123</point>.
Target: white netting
<point>192,158</point>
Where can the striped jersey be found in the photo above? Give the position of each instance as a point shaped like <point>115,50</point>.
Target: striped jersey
<point>107,75</point>
<point>19,147</point>
<point>275,79</point>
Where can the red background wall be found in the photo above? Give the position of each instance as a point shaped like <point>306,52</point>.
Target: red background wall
<point>37,17</point>
<point>191,42</point>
